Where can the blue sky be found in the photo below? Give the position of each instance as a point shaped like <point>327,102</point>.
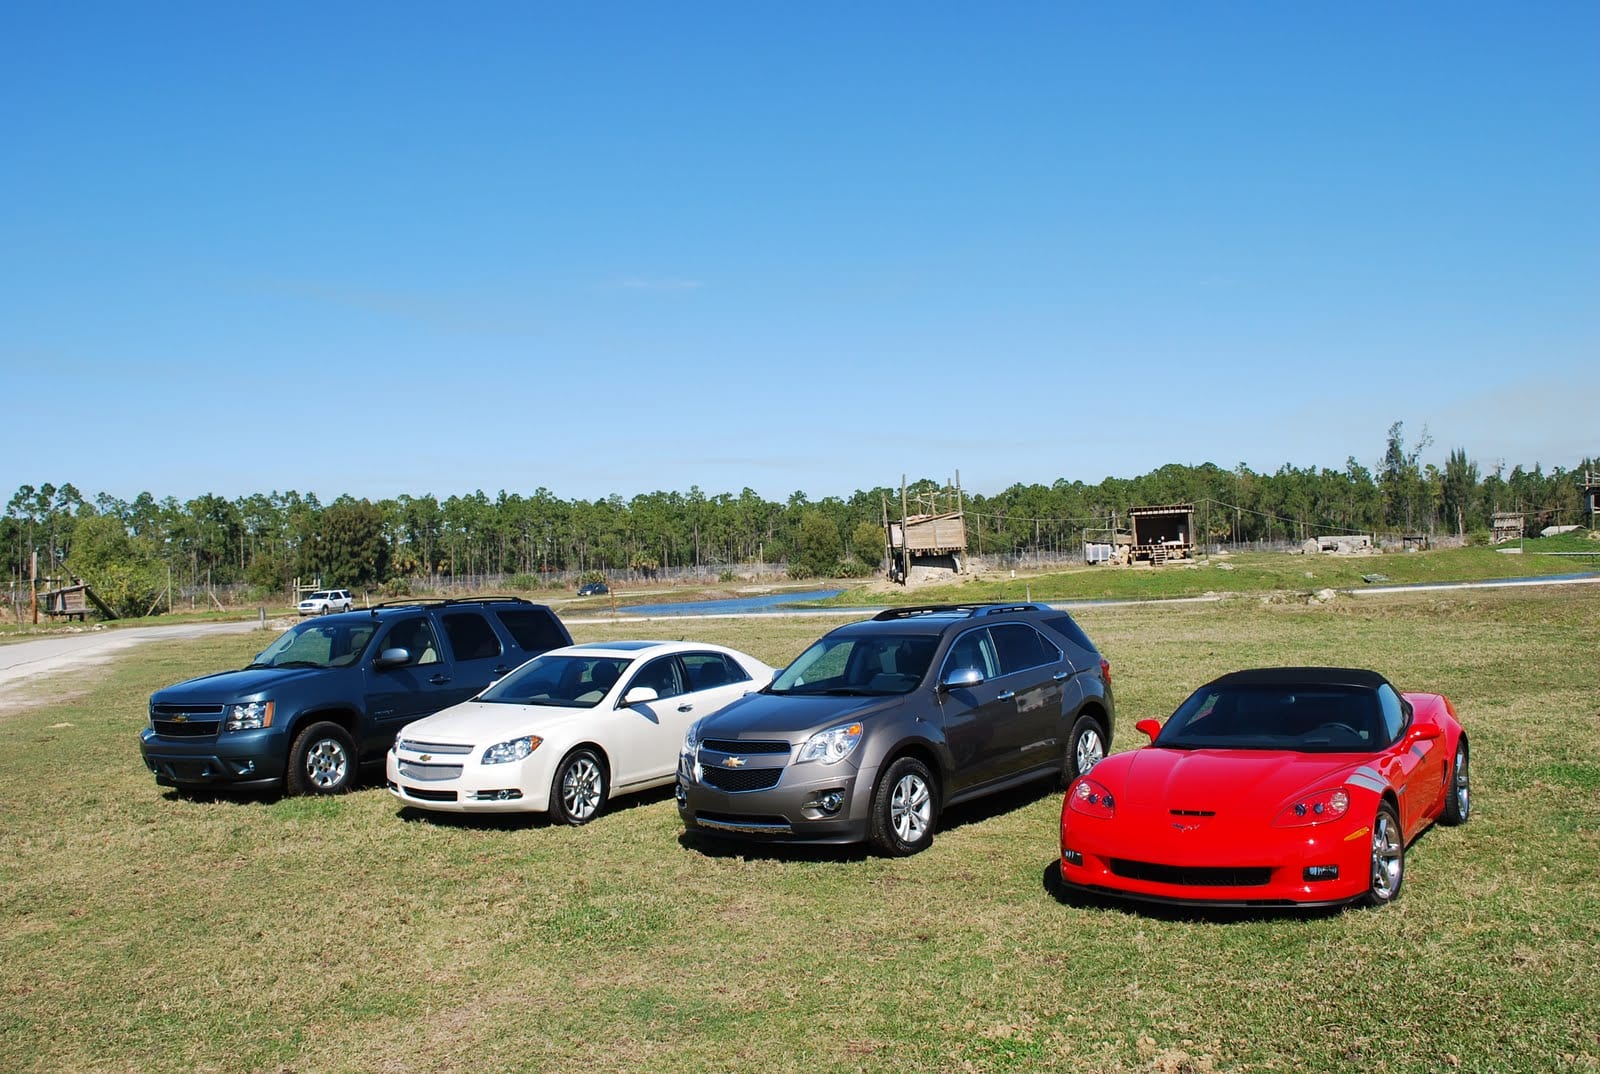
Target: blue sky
<point>618,248</point>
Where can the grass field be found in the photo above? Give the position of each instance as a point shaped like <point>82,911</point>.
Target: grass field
<point>142,931</point>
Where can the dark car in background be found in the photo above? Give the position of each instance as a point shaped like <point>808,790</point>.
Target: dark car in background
<point>881,724</point>
<point>329,694</point>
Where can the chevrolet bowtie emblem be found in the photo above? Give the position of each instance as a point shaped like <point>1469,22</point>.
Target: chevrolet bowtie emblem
<point>733,762</point>
<point>424,756</point>
<point>180,718</point>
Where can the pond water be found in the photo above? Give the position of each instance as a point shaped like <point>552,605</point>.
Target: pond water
<point>766,602</point>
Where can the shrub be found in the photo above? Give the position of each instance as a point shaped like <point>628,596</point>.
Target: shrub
<point>523,582</point>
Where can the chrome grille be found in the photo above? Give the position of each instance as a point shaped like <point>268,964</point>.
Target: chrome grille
<point>447,748</point>
<point>429,772</point>
<point>733,745</point>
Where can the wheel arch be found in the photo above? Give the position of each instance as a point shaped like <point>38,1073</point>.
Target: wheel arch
<point>924,752</point>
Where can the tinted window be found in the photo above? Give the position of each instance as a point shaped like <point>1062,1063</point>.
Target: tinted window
<point>1022,647</point>
<point>471,636</point>
<point>1318,718</point>
<point>974,649</point>
<point>661,675</point>
<point>565,681</point>
<point>1394,713</point>
<point>535,629</point>
<point>415,636</point>
<point>710,670</point>
<point>1068,628</point>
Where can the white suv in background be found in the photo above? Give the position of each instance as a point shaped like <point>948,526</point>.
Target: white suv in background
<point>324,601</point>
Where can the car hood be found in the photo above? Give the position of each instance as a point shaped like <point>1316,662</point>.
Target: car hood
<point>1219,781</point>
<point>226,687</point>
<point>472,723</point>
<point>791,716</point>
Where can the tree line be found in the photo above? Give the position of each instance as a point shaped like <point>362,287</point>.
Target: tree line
<point>130,550</point>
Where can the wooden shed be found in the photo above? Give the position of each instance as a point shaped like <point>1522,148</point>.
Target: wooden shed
<point>1162,533</point>
<point>1507,526</point>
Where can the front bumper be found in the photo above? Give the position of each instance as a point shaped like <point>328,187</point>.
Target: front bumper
<point>243,760</point>
<point>1223,865</point>
<point>789,811</point>
<point>518,787</point>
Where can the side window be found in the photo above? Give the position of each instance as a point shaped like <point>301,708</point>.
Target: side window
<point>415,636</point>
<point>1068,628</point>
<point>1022,647</point>
<point>710,670</point>
<point>471,636</point>
<point>535,631</point>
<point>661,675</point>
<point>974,649</point>
<point>1394,713</point>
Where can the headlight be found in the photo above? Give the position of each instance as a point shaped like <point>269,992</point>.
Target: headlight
<point>1318,808</point>
<point>251,716</point>
<point>1091,799</point>
<point>832,745</point>
<point>691,741</point>
<point>515,750</point>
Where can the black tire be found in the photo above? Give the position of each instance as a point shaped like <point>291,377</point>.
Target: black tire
<point>1387,872</point>
<point>1086,748</point>
<point>905,805</point>
<point>322,760</point>
<point>578,790</point>
<point>1458,788</point>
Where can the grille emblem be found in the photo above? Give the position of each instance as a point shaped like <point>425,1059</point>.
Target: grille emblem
<point>424,756</point>
<point>733,762</point>
<point>180,718</point>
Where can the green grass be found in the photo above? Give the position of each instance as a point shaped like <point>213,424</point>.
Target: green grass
<point>143,931</point>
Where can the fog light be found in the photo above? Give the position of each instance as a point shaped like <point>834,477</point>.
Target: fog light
<point>831,802</point>
<point>680,792</point>
<point>1314,873</point>
<point>498,796</point>
<point>1072,857</point>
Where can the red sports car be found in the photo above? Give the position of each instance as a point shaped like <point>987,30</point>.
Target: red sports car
<point>1278,786</point>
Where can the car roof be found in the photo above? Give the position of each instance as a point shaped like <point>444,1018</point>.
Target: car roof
<point>934,618</point>
<point>1302,676</point>
<point>635,648</point>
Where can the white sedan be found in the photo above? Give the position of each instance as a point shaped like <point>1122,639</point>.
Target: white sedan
<point>569,729</point>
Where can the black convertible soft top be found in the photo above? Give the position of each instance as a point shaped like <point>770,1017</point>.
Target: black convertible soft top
<point>1370,680</point>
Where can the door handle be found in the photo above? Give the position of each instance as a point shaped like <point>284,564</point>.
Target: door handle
<point>1058,676</point>
<point>1007,696</point>
<point>500,669</point>
<point>685,708</point>
<point>439,680</point>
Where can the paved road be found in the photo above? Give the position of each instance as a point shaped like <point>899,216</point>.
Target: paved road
<point>24,661</point>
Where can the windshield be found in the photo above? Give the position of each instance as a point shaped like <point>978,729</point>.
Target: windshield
<point>318,644</point>
<point>567,681</point>
<point>854,665</point>
<point>1317,718</point>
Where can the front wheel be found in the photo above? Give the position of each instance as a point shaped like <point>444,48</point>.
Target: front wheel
<point>1388,858</point>
<point>578,790</point>
<point>903,809</point>
<point>1458,789</point>
<point>1086,749</point>
<point>322,760</point>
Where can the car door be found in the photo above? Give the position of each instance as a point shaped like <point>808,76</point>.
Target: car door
<point>972,713</point>
<point>1033,671</point>
<point>417,688</point>
<point>476,653</point>
<point>648,734</point>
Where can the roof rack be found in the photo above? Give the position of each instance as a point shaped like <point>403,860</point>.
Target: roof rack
<point>440,602</point>
<point>970,610</point>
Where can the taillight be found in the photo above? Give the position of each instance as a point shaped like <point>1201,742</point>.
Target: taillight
<point>1105,671</point>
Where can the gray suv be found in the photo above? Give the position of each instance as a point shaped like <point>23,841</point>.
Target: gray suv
<point>881,724</point>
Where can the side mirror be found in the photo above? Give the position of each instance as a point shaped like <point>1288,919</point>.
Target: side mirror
<point>639,694</point>
<point>962,677</point>
<point>392,658</point>
<point>1420,731</point>
<point>1151,728</point>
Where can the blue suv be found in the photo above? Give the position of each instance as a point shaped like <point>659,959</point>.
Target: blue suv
<point>329,694</point>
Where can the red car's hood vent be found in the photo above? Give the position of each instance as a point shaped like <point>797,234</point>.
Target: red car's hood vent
<point>1204,783</point>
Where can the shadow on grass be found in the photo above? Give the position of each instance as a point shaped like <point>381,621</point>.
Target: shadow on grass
<point>1084,899</point>
<point>517,821</point>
